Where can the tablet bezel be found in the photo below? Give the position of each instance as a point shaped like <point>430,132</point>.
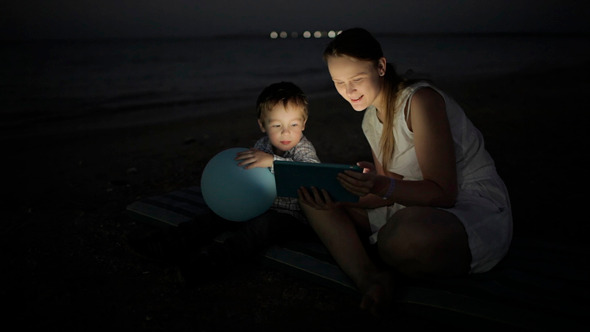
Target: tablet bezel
<point>291,175</point>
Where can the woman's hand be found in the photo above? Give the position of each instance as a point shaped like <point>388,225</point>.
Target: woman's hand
<point>357,183</point>
<point>254,158</point>
<point>319,200</point>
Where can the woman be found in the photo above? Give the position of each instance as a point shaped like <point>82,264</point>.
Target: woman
<point>431,202</point>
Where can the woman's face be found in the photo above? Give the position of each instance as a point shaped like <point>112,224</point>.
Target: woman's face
<point>357,81</point>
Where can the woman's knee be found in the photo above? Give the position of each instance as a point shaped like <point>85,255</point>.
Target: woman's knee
<point>400,239</point>
<point>424,241</point>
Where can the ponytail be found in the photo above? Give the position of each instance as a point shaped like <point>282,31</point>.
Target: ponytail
<point>392,85</point>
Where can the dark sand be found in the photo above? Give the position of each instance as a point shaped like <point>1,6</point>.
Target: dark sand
<point>68,266</point>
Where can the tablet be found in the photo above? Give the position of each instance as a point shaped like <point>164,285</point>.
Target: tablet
<point>291,175</point>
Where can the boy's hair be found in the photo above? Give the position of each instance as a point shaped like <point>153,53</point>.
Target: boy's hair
<point>285,92</point>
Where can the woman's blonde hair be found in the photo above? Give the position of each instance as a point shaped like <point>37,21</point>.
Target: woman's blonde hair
<point>360,44</point>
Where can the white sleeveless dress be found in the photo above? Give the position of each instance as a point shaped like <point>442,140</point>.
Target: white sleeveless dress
<point>483,204</point>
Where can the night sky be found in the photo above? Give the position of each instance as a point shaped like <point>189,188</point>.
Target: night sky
<point>34,19</point>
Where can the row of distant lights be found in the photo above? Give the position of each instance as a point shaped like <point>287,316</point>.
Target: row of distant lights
<point>305,34</point>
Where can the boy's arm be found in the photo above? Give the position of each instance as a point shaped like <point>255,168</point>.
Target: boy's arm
<point>303,152</point>
<point>263,144</point>
<point>258,156</point>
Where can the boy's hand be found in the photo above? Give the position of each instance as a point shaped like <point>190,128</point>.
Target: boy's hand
<point>254,158</point>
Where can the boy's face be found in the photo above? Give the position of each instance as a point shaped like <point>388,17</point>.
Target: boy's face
<point>284,126</point>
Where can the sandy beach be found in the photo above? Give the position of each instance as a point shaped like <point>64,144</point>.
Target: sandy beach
<point>70,267</point>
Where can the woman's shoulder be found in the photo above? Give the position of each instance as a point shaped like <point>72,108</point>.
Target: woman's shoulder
<point>428,92</point>
<point>427,99</point>
<point>424,92</point>
<point>415,86</point>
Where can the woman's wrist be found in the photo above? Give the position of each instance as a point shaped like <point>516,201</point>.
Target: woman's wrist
<point>384,187</point>
<point>390,189</point>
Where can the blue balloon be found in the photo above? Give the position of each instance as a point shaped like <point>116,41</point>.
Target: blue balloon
<point>235,193</point>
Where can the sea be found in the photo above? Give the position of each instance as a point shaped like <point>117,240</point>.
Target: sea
<point>90,84</point>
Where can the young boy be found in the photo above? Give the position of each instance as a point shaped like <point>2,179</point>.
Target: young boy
<point>282,115</point>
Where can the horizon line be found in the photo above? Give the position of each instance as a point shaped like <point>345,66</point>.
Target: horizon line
<point>266,35</point>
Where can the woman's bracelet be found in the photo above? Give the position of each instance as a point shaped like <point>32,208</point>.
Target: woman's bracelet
<point>389,189</point>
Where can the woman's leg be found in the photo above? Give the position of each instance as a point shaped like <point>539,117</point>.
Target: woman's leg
<point>425,242</point>
<point>338,233</point>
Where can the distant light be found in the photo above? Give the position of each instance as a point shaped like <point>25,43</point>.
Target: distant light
<point>306,34</point>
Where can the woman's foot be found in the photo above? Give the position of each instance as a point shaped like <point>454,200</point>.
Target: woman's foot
<point>377,293</point>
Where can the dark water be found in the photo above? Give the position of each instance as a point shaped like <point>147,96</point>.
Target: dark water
<point>127,82</point>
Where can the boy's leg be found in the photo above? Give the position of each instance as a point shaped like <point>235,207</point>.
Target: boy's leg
<point>170,245</point>
<point>241,245</point>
